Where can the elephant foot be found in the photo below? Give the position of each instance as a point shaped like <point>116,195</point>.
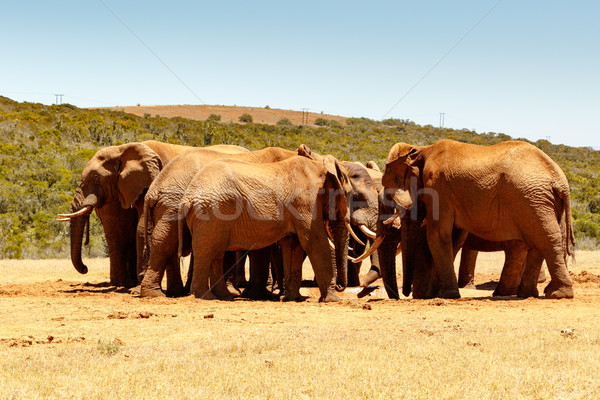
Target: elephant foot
<point>178,291</point>
<point>222,293</point>
<point>207,295</point>
<point>468,285</point>
<point>148,292</point>
<point>329,297</point>
<point>371,277</point>
<point>449,294</point>
<point>135,290</point>
<point>542,276</point>
<point>525,293</point>
<point>257,293</point>
<point>296,298</point>
<point>233,289</point>
<point>563,292</point>
<point>500,291</point>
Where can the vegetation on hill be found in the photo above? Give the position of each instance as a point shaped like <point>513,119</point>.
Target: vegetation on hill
<point>43,150</point>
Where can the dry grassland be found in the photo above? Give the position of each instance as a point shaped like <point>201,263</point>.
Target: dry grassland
<point>65,335</point>
<point>261,115</point>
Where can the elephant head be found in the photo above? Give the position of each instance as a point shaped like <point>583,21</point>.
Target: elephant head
<point>337,187</point>
<point>115,175</point>
<point>400,219</point>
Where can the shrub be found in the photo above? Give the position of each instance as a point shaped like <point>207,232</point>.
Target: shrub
<point>214,118</point>
<point>245,117</point>
<point>321,122</point>
<point>284,122</point>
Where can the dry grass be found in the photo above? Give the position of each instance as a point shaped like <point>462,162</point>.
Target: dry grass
<point>261,115</point>
<point>109,344</point>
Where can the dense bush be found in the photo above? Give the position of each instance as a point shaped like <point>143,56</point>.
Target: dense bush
<point>44,149</point>
<point>245,117</point>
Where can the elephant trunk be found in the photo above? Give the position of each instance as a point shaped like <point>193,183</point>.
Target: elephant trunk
<point>77,228</point>
<point>341,241</point>
<point>387,262</point>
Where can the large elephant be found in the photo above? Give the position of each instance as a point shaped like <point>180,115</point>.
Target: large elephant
<point>160,216</point>
<point>508,191</point>
<point>113,183</point>
<point>233,205</point>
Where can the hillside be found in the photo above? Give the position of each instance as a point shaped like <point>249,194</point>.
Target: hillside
<point>43,150</point>
<point>261,115</point>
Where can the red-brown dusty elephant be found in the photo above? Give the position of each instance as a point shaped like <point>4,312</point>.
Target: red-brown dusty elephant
<point>113,183</point>
<point>508,191</point>
<point>232,205</point>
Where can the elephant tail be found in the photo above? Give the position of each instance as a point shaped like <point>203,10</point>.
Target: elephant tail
<point>183,210</point>
<point>148,221</point>
<point>569,234</point>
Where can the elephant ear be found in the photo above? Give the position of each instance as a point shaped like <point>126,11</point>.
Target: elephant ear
<point>138,167</point>
<point>403,163</point>
<point>373,165</point>
<point>337,186</point>
<point>305,151</point>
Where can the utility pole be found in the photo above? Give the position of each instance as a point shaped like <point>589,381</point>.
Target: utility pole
<point>442,119</point>
<point>305,116</point>
<point>59,98</point>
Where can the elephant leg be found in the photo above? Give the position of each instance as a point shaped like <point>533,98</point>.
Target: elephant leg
<point>533,264</point>
<point>218,285</point>
<point>240,270</point>
<point>542,276</point>
<point>190,275</point>
<point>550,244</point>
<point>277,267</point>
<point>321,259</point>
<point>293,256</point>
<point>515,255</point>
<point>229,270</point>
<point>120,231</point>
<point>466,271</point>
<point>259,275</point>
<point>174,283</point>
<point>151,285</point>
<point>202,268</point>
<point>439,239</point>
<point>354,268</point>
<point>374,272</point>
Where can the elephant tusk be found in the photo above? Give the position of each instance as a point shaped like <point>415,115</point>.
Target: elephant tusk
<point>62,219</point>
<point>399,249</point>
<point>79,213</point>
<point>353,260</point>
<point>349,227</point>
<point>371,250</point>
<point>392,218</point>
<point>367,231</point>
<point>331,245</point>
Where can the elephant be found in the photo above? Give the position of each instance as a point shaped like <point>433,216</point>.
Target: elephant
<point>160,217</point>
<point>507,191</point>
<point>232,204</point>
<point>113,183</point>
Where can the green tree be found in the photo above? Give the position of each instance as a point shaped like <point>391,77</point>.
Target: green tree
<point>246,118</point>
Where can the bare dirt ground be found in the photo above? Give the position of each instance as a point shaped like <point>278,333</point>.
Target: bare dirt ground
<point>261,115</point>
<point>65,335</point>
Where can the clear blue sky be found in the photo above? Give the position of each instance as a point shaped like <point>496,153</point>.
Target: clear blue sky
<point>527,68</point>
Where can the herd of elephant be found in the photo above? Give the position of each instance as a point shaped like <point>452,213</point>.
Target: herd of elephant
<point>158,202</point>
